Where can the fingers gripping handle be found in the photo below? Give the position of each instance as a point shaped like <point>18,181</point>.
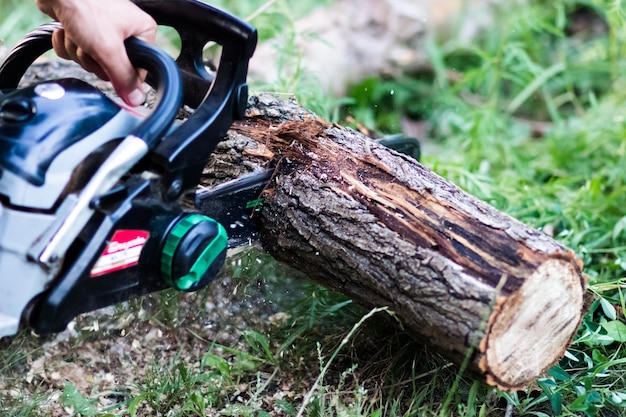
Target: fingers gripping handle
<point>160,66</point>
<point>168,86</point>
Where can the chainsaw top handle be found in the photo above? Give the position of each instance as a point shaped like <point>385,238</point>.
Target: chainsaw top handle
<point>160,66</point>
<point>168,85</point>
<point>198,24</point>
<point>217,99</point>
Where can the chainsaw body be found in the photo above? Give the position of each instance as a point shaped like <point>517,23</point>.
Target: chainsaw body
<point>89,190</point>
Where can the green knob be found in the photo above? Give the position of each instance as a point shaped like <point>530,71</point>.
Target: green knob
<point>193,252</point>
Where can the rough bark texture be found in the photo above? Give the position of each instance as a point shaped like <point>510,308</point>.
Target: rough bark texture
<point>381,228</point>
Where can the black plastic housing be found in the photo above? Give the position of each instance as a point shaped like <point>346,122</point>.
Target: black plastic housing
<point>76,291</point>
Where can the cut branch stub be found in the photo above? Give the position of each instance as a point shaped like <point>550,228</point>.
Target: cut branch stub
<point>386,231</point>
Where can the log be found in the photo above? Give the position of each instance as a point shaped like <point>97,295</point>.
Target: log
<point>381,228</point>
<point>376,225</point>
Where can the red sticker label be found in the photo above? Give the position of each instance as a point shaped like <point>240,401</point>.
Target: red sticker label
<point>122,252</point>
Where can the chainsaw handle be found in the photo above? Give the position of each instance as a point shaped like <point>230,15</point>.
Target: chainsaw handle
<point>161,67</point>
<point>198,24</point>
<point>24,53</point>
<point>217,100</point>
<point>167,83</point>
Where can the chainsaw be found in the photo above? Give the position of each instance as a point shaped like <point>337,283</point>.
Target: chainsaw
<point>90,191</point>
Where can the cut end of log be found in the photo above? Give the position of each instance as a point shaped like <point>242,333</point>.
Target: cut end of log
<point>530,330</point>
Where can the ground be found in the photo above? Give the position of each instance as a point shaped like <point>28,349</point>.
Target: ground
<point>117,353</point>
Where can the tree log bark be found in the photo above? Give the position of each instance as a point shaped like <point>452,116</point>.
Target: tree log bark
<point>381,228</point>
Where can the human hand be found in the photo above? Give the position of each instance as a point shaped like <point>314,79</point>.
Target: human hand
<point>93,35</point>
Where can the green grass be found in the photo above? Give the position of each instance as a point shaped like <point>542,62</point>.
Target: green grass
<point>530,117</point>
<point>18,17</point>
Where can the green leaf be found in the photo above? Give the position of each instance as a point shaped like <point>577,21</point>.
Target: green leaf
<point>616,330</point>
<point>618,229</point>
<point>260,344</point>
<point>285,406</point>
<point>558,374</point>
<point>218,363</point>
<point>132,406</point>
<point>336,307</point>
<point>182,370</point>
<point>74,399</point>
<point>569,355</point>
<point>540,80</point>
<point>556,404</point>
<point>198,401</point>
<point>579,404</point>
<point>594,397</point>
<point>546,384</point>
<point>608,309</point>
<point>616,399</point>
<point>598,356</point>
